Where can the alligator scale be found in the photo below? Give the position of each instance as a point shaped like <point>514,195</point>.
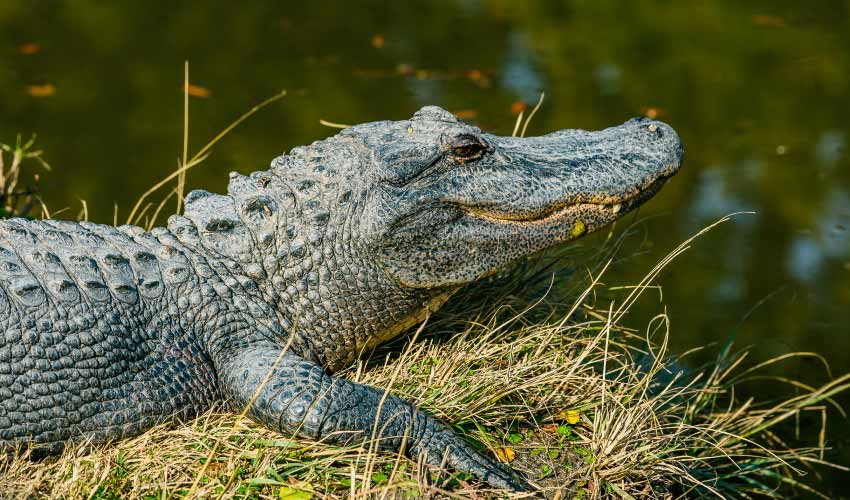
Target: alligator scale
<point>258,296</point>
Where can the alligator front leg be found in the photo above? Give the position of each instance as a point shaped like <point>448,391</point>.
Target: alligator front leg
<point>297,396</point>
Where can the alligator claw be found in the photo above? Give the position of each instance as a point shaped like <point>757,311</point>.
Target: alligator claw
<point>447,449</point>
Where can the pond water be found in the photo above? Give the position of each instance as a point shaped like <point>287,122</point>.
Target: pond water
<point>758,93</point>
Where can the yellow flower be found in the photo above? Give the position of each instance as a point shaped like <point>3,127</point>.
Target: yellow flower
<point>571,416</point>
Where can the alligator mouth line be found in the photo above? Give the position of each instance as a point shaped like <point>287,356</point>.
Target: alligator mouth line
<point>612,204</point>
<point>552,213</point>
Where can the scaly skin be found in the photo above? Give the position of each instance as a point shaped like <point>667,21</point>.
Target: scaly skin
<point>339,246</point>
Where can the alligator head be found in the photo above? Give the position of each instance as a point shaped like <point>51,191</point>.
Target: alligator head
<point>453,204</point>
<point>362,233</point>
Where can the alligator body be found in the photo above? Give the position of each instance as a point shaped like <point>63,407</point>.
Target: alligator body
<point>256,297</point>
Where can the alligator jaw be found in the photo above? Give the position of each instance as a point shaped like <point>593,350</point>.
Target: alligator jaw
<point>553,213</point>
<point>605,207</point>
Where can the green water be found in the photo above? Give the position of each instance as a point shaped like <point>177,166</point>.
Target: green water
<point>758,92</point>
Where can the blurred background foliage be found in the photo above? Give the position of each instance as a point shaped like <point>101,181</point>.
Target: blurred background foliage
<point>758,92</point>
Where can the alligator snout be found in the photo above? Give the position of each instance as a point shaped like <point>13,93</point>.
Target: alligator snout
<point>534,177</point>
<point>655,133</point>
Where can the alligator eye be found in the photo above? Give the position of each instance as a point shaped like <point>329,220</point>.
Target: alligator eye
<point>467,150</point>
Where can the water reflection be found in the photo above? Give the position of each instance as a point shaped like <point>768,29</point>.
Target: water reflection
<point>830,148</point>
<point>608,78</point>
<point>805,259</point>
<point>519,72</point>
<point>714,198</point>
<point>834,224</point>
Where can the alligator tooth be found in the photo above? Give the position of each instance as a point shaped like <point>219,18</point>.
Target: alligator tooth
<point>578,228</point>
<point>616,208</point>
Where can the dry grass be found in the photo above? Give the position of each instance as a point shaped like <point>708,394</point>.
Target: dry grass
<point>584,407</point>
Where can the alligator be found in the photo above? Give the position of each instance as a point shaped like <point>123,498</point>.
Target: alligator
<point>257,297</point>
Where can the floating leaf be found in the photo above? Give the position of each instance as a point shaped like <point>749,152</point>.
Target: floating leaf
<point>198,91</point>
<point>479,78</point>
<point>29,49</point>
<point>45,90</point>
<point>466,114</point>
<point>405,69</point>
<point>767,20</point>
<point>518,107</point>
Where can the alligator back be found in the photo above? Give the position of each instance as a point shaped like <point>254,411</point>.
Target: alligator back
<point>92,340</point>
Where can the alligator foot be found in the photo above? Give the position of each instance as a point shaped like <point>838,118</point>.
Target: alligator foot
<point>445,448</point>
<point>298,396</point>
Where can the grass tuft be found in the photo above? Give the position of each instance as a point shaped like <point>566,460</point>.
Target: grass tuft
<point>14,201</point>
